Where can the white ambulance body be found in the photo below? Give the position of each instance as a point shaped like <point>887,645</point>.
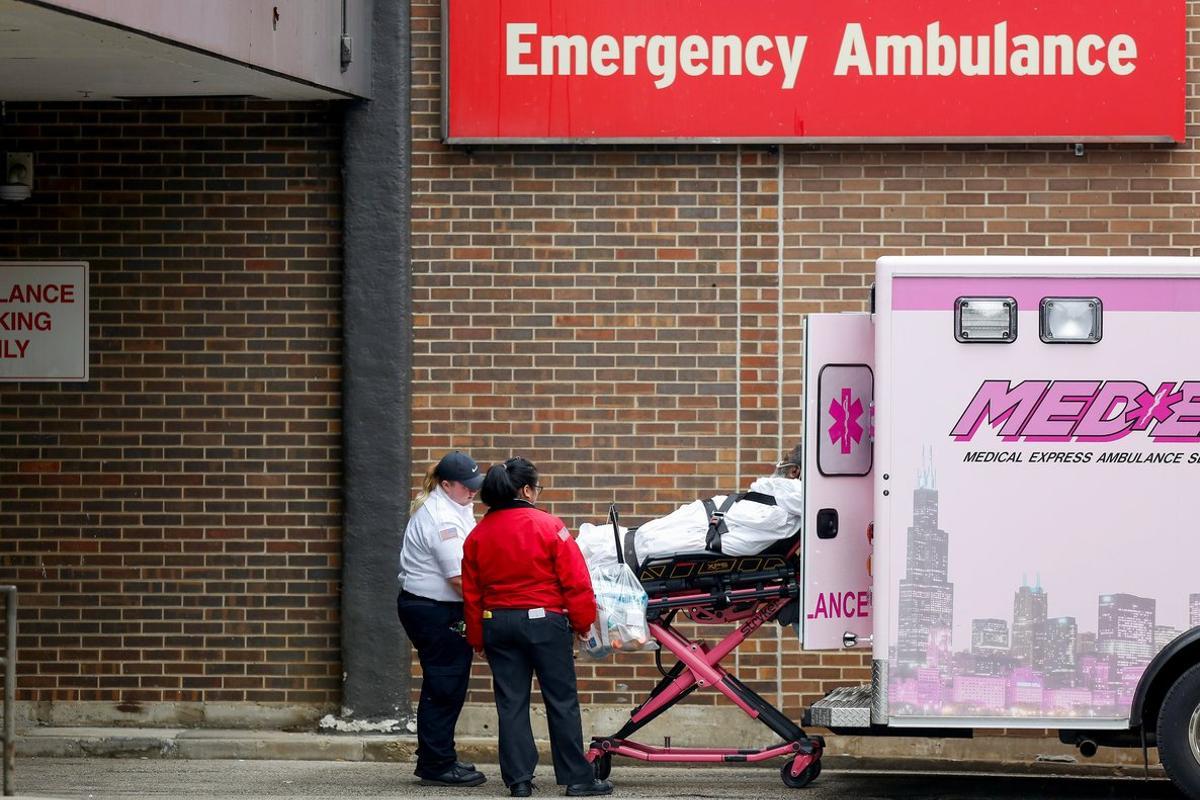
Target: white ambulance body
<point>1023,434</point>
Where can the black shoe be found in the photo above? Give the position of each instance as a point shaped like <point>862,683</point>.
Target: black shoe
<point>521,789</point>
<point>467,765</point>
<point>596,787</point>
<point>454,776</point>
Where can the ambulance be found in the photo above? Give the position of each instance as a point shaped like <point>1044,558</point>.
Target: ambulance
<point>1002,487</point>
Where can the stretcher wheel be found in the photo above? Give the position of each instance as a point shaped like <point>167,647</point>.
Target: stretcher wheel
<point>603,766</point>
<point>806,777</point>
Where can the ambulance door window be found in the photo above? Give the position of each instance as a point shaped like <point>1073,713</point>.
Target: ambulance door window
<point>845,393</point>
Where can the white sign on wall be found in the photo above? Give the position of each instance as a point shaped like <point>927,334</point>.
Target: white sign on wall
<point>43,321</point>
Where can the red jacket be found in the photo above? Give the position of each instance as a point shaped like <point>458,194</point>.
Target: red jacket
<point>522,557</point>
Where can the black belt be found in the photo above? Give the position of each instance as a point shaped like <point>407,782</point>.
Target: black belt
<point>405,595</point>
<point>525,612</point>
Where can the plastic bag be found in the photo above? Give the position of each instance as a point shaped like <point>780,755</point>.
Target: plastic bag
<point>620,624</point>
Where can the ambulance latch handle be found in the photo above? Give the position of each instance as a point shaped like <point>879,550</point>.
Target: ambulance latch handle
<point>851,639</point>
<point>827,523</point>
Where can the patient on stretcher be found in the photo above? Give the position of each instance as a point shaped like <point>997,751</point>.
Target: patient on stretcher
<point>771,510</point>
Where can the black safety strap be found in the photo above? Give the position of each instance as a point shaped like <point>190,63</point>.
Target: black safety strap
<point>716,521</point>
<point>614,518</point>
<point>759,497</point>
<point>631,558</point>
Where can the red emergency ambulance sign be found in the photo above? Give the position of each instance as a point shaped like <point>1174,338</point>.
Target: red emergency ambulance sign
<point>781,70</point>
<point>43,321</point>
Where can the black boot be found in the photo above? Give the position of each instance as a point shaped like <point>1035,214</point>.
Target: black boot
<point>455,775</point>
<point>596,787</point>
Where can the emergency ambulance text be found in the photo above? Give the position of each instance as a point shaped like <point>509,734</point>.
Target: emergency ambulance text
<point>932,51</point>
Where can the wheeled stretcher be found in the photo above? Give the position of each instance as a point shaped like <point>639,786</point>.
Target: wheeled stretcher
<point>711,588</point>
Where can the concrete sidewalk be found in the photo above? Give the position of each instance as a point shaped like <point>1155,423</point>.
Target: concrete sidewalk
<point>139,779</point>
<point>986,754</point>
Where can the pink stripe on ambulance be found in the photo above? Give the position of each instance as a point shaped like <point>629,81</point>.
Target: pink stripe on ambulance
<point>1117,294</point>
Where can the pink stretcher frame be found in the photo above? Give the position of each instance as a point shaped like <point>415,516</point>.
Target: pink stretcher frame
<point>699,667</point>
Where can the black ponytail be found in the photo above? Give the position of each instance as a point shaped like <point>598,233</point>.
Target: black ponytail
<point>504,481</point>
<point>497,488</point>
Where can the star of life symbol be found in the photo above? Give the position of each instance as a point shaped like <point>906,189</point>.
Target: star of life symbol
<point>846,413</point>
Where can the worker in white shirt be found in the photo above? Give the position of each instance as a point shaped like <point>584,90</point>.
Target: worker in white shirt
<point>431,610</point>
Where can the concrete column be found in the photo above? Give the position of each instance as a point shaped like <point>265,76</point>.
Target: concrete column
<point>377,357</point>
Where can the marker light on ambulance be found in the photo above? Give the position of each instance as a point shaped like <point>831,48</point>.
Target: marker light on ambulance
<point>985,319</point>
<point>1074,320</point>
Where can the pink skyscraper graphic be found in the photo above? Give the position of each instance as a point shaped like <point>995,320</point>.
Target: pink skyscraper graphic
<point>926,596</point>
<point>1037,665</point>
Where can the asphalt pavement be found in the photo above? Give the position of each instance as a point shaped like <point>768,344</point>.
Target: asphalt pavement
<point>101,778</point>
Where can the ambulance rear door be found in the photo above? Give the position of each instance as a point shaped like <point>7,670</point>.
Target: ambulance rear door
<point>839,384</point>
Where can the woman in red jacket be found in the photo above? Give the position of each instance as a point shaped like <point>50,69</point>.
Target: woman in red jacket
<point>525,589</point>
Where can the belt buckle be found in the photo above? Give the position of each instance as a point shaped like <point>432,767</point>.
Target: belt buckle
<point>537,613</point>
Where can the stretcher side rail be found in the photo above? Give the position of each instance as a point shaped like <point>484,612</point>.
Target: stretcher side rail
<point>677,573</point>
<point>718,599</point>
<point>715,582</point>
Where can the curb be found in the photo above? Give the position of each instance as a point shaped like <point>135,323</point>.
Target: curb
<point>212,745</point>
<point>180,743</point>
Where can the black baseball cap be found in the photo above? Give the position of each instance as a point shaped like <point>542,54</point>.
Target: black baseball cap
<point>458,466</point>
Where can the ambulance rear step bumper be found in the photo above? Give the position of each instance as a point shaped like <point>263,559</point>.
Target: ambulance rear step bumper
<point>847,711</point>
<point>847,707</point>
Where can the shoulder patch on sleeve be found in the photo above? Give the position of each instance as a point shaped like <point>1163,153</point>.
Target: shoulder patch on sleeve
<point>449,533</point>
<point>564,534</point>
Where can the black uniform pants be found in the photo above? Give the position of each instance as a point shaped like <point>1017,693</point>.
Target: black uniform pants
<point>517,647</point>
<point>445,669</point>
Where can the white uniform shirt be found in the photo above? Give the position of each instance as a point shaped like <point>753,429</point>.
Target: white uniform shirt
<point>433,547</point>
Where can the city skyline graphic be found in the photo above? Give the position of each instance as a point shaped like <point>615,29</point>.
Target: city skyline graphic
<point>1029,664</point>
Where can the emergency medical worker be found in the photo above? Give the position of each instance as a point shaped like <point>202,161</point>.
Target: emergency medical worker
<point>430,608</point>
<point>525,589</point>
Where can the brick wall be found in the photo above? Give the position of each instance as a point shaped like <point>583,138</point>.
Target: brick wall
<point>174,524</point>
<point>630,317</point>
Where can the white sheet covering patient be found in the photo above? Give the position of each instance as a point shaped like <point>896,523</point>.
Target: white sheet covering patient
<point>752,527</point>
